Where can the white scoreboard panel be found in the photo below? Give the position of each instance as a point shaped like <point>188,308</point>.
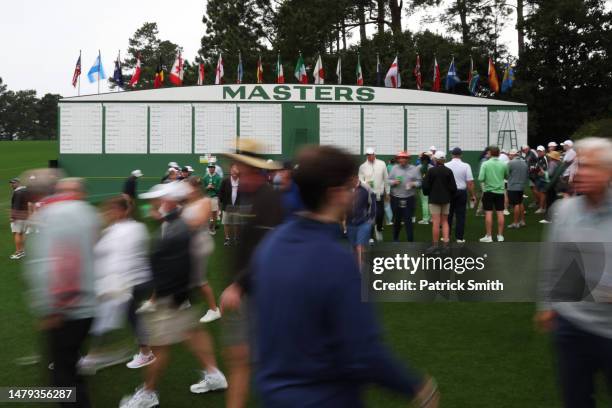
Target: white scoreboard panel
<point>80,128</point>
<point>215,127</point>
<point>340,126</point>
<point>426,126</point>
<point>383,128</point>
<point>170,128</point>
<point>125,128</point>
<point>467,128</point>
<point>263,122</point>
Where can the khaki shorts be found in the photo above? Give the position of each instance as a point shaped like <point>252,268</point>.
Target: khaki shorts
<point>436,209</point>
<point>168,324</point>
<point>19,226</point>
<point>214,204</point>
<point>230,217</point>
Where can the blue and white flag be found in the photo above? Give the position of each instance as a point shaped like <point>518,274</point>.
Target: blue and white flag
<point>451,77</point>
<point>96,68</point>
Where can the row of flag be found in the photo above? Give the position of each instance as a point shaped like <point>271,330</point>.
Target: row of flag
<point>392,79</point>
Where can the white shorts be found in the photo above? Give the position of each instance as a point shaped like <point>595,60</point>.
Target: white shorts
<point>19,226</point>
<point>214,204</point>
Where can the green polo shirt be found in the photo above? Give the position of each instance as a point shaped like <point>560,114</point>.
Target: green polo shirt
<point>213,179</point>
<point>492,173</point>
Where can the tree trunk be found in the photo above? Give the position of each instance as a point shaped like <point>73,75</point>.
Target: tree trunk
<point>396,16</point>
<point>337,38</point>
<point>362,21</point>
<point>465,28</point>
<point>520,28</point>
<point>380,17</point>
<point>343,34</point>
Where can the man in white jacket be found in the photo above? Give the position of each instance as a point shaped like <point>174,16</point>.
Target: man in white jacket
<point>373,172</point>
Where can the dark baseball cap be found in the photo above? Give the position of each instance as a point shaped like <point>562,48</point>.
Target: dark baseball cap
<point>456,151</point>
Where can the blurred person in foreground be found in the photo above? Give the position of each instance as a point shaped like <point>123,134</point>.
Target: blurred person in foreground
<point>440,187</point>
<point>173,320</point>
<point>578,312</point>
<point>311,282</point>
<point>493,173</point>
<point>260,212</point>
<point>18,216</point>
<point>229,200</point>
<point>518,176</point>
<point>123,276</point>
<point>404,180</point>
<point>360,217</point>
<point>130,186</point>
<point>373,172</point>
<point>60,271</point>
<point>196,212</point>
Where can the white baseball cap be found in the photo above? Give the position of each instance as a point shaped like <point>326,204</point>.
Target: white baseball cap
<point>439,155</point>
<point>175,191</point>
<point>513,151</point>
<point>137,173</point>
<point>173,164</point>
<point>432,148</point>
<point>541,148</point>
<point>189,168</point>
<point>370,150</point>
<point>552,144</point>
<point>568,143</point>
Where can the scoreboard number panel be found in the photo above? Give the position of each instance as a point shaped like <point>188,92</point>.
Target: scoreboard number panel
<point>81,128</point>
<point>340,126</point>
<point>215,127</point>
<point>426,126</point>
<point>125,128</point>
<point>170,128</point>
<point>383,128</point>
<point>264,124</point>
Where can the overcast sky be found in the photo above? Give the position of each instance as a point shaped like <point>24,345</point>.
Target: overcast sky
<point>41,39</point>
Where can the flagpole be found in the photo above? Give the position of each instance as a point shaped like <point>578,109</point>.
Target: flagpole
<point>99,65</point>
<point>119,65</point>
<point>81,69</point>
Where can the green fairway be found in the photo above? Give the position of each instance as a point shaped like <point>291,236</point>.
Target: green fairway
<point>482,354</point>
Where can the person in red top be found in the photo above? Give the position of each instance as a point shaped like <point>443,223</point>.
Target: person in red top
<point>19,216</point>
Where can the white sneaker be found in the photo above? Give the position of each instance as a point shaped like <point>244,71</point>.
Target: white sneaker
<point>141,360</point>
<point>413,220</point>
<point>522,224</point>
<point>211,316</point>
<point>506,212</point>
<point>461,241</point>
<point>513,226</point>
<point>423,222</point>
<point>146,307</point>
<point>371,241</point>
<point>539,211</point>
<point>18,255</point>
<point>91,364</point>
<point>486,238</point>
<point>379,235</point>
<point>140,399</point>
<point>544,221</point>
<point>209,382</point>
<point>500,238</point>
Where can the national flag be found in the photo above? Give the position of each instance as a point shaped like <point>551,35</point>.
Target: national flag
<point>393,78</point>
<point>358,72</point>
<point>508,79</point>
<point>319,72</point>
<point>96,68</point>
<point>158,80</point>
<point>471,70</point>
<point>201,73</point>
<point>178,69</point>
<point>339,70</point>
<point>300,71</point>
<point>240,71</point>
<point>219,71</point>
<point>451,77</point>
<point>117,74</point>
<point>436,77</point>
<point>280,76</point>
<point>493,81</point>
<point>77,72</point>
<point>137,70</point>
<point>259,71</point>
<point>474,82</point>
<point>417,73</point>
<point>378,72</point>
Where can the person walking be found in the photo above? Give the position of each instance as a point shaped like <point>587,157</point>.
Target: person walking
<point>404,179</point>
<point>440,187</point>
<point>212,184</point>
<point>425,163</point>
<point>18,217</point>
<point>518,177</point>
<point>360,218</point>
<point>492,174</point>
<point>327,318</point>
<point>373,172</point>
<point>229,199</point>
<point>464,180</point>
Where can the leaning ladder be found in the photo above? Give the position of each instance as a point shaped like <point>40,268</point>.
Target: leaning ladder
<point>507,128</point>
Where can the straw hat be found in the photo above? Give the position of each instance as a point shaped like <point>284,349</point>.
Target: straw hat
<point>555,155</point>
<point>248,151</point>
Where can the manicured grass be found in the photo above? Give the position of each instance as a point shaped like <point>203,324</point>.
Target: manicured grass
<point>482,354</point>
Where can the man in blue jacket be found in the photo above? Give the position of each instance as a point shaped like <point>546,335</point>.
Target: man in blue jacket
<point>317,344</point>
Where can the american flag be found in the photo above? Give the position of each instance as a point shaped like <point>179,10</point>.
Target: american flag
<point>77,72</point>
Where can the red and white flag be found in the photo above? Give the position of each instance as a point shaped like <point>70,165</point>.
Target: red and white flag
<point>319,72</point>
<point>176,74</point>
<point>219,71</point>
<point>201,73</point>
<point>136,75</point>
<point>77,72</point>
<point>436,77</point>
<point>417,73</point>
<point>280,76</point>
<point>259,71</point>
<point>358,72</point>
<point>393,79</point>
